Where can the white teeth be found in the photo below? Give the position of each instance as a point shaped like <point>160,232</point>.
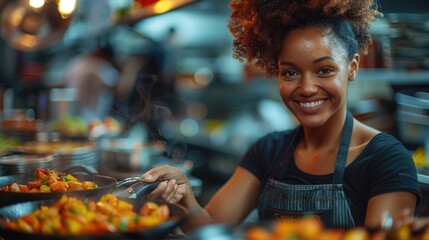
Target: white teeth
<point>311,104</point>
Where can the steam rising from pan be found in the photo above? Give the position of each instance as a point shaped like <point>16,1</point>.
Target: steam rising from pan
<point>153,111</point>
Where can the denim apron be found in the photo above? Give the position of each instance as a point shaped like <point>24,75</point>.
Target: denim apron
<point>326,202</point>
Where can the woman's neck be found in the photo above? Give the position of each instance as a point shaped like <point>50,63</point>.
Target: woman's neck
<point>327,136</point>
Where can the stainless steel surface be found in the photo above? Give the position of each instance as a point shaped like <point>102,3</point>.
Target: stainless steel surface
<point>423,178</point>
<point>412,115</point>
<point>90,157</point>
<point>22,163</point>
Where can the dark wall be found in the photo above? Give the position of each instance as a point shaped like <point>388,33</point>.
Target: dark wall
<point>409,6</point>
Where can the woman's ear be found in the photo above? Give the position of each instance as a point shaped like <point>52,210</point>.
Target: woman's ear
<point>354,67</point>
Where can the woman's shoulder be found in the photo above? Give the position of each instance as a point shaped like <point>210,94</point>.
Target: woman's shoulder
<point>376,140</point>
<point>388,166</point>
<point>385,141</point>
<point>383,149</point>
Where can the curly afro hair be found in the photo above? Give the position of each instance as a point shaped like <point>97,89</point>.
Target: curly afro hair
<point>259,26</point>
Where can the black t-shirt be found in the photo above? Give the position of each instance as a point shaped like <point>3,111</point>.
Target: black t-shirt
<point>385,165</point>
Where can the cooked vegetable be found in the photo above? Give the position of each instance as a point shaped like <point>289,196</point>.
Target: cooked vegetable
<point>48,180</point>
<point>312,228</point>
<point>71,216</point>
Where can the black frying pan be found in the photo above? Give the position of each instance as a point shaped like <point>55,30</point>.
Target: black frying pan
<point>105,184</point>
<point>14,211</point>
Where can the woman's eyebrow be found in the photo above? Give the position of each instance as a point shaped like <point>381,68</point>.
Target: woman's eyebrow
<point>323,59</point>
<point>287,63</point>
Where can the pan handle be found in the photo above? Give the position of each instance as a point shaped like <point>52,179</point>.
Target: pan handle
<point>129,180</point>
<point>137,190</point>
<point>82,168</point>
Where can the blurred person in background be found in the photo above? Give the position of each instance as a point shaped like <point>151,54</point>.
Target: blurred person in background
<point>331,166</point>
<point>94,75</point>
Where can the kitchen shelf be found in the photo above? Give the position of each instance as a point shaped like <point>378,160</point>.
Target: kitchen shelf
<point>394,77</point>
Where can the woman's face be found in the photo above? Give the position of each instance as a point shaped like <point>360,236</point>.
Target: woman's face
<point>313,75</point>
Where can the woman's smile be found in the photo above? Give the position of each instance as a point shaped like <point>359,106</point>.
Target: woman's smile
<point>312,104</point>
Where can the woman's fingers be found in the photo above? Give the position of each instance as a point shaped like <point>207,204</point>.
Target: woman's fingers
<point>165,172</point>
<point>170,191</point>
<point>152,175</point>
<point>173,183</point>
<point>167,191</point>
<point>158,191</point>
<point>180,193</point>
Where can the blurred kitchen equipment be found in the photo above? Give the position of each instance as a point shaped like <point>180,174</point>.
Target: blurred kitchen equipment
<point>216,232</point>
<point>127,156</point>
<point>24,163</point>
<point>63,103</point>
<point>423,178</point>
<point>409,38</point>
<point>412,114</point>
<point>378,113</point>
<point>88,157</point>
<point>19,124</point>
<point>128,152</point>
<point>65,153</point>
<point>29,25</point>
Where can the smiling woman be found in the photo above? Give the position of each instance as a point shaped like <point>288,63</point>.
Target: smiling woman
<point>331,166</point>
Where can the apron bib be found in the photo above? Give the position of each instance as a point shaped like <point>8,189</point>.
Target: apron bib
<point>326,202</point>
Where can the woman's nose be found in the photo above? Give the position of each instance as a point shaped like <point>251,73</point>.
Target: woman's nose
<point>308,85</point>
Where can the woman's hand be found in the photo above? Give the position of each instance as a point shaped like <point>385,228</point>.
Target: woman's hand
<point>407,218</point>
<point>174,184</point>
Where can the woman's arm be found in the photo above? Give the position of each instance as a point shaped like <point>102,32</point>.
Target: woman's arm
<point>231,204</point>
<point>393,203</point>
<point>236,199</point>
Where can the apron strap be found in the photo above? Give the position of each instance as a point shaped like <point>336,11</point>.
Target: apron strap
<point>340,162</point>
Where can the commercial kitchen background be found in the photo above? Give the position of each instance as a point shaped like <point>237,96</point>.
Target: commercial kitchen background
<point>217,106</point>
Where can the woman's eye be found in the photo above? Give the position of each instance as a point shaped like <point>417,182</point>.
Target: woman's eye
<point>325,71</point>
<point>289,73</point>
